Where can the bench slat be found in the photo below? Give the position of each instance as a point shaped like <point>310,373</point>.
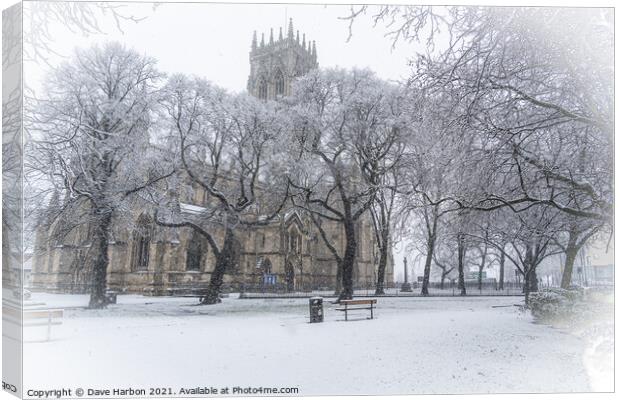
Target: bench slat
<point>43,314</point>
<point>42,323</point>
<point>359,301</point>
<point>32,314</point>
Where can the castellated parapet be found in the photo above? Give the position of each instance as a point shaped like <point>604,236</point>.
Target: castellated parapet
<point>275,64</point>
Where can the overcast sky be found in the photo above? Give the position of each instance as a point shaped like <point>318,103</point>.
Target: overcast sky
<point>213,40</point>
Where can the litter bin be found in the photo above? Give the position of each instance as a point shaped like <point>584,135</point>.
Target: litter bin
<point>316,309</point>
<point>110,296</point>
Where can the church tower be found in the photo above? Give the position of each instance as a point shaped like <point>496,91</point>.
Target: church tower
<point>276,63</point>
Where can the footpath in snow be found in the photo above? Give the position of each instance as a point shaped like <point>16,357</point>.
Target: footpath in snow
<point>414,346</point>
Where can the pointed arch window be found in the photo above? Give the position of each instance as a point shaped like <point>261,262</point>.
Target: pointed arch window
<point>236,253</point>
<point>142,244</point>
<point>266,266</point>
<point>195,250</point>
<point>262,89</point>
<point>294,241</point>
<point>279,83</point>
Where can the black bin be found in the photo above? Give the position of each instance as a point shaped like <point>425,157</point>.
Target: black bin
<point>316,309</point>
<point>110,296</point>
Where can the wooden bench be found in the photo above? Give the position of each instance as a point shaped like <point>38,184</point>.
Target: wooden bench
<point>360,304</point>
<point>34,317</point>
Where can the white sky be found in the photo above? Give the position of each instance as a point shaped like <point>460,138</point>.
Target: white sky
<point>213,40</point>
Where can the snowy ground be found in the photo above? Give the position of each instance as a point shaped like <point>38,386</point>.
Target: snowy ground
<point>415,345</point>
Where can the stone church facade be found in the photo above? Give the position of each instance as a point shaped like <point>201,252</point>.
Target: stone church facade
<point>285,255</point>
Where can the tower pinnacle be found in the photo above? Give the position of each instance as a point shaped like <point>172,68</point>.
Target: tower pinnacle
<point>290,29</point>
<point>275,64</point>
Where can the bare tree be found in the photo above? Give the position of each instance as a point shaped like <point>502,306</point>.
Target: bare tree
<point>445,258</point>
<point>86,131</point>
<point>347,127</point>
<point>526,239</point>
<point>434,168</point>
<point>12,147</point>
<point>228,148</point>
<point>575,236</point>
<point>460,223</point>
<point>483,226</point>
<point>85,18</point>
<point>381,212</point>
<point>501,257</point>
<point>532,88</point>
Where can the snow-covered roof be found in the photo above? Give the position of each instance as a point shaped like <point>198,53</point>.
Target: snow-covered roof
<point>192,209</point>
<point>289,213</point>
<point>197,210</point>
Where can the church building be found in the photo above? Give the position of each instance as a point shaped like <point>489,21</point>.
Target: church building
<point>285,255</point>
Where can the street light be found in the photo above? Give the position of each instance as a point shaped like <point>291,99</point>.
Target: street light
<point>406,287</point>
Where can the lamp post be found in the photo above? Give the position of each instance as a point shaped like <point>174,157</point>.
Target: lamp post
<point>406,287</point>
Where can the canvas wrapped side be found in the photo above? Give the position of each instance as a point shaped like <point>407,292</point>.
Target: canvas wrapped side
<point>12,201</point>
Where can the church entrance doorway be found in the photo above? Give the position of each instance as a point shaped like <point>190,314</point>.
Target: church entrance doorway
<point>289,276</point>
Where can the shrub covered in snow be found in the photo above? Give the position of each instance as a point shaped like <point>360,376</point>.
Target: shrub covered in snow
<point>577,308</point>
<point>587,313</point>
<point>558,305</point>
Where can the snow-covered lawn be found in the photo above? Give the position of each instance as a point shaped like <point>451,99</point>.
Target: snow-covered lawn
<point>415,345</point>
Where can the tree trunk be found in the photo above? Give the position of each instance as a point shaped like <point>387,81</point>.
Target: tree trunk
<point>338,279</point>
<point>443,278</point>
<point>532,279</point>
<point>502,262</point>
<point>567,274</point>
<point>100,266</point>
<point>572,249</point>
<point>348,261</point>
<point>222,264</point>
<point>482,265</point>
<point>530,283</point>
<point>382,263</point>
<point>430,247</point>
<point>461,266</point>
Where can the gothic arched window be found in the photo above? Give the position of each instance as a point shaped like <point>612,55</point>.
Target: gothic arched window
<point>236,255</point>
<point>195,250</point>
<point>279,83</point>
<point>294,242</point>
<point>142,244</point>
<point>266,265</point>
<point>262,89</point>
